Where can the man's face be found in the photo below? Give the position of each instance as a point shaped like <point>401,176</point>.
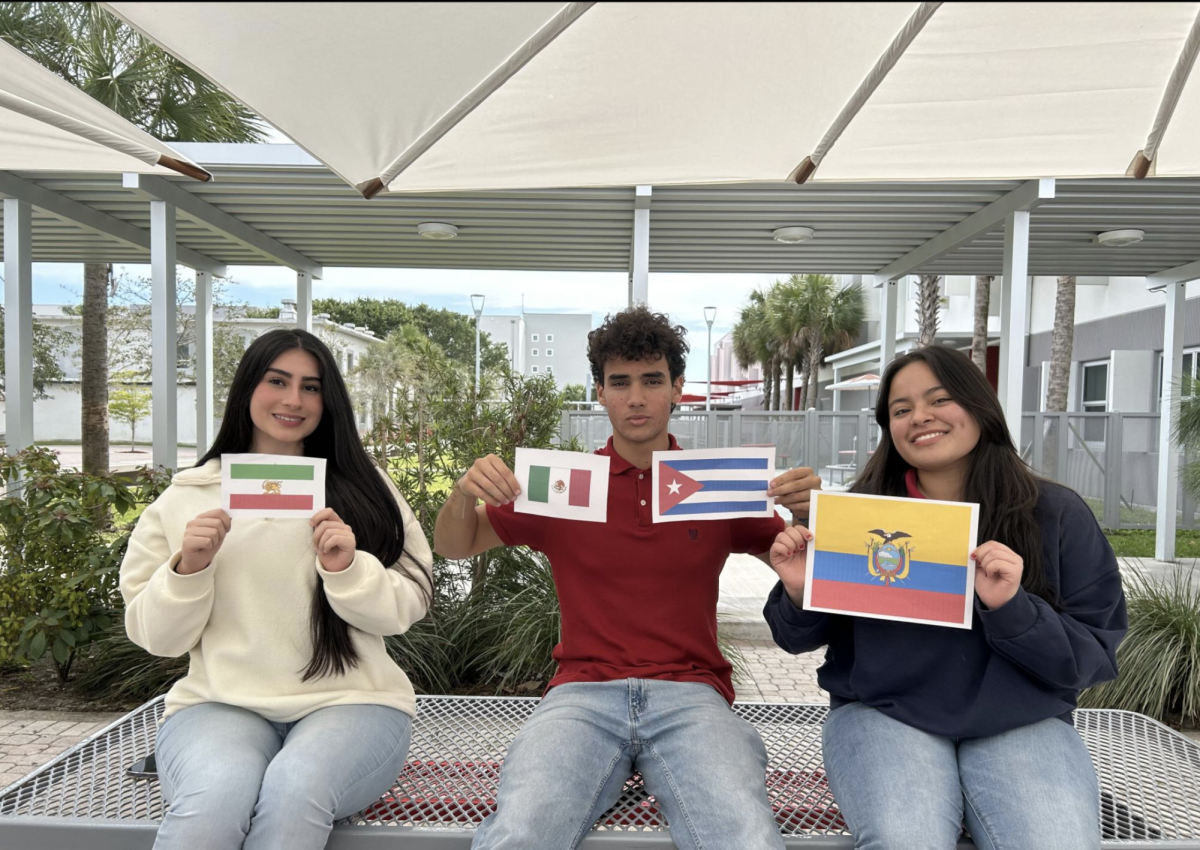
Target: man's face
<point>638,395</point>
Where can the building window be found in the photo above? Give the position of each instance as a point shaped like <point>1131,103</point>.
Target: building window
<point>533,352</point>
<point>534,337</point>
<point>549,352</point>
<point>1189,374</point>
<point>549,337</point>
<point>535,368</point>
<point>1095,399</point>
<point>549,370</point>
<point>349,362</point>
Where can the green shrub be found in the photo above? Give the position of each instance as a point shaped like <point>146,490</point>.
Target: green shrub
<point>62,547</point>
<point>1159,660</point>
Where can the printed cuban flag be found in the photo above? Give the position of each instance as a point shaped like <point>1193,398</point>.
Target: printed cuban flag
<point>892,558</point>
<point>567,485</point>
<point>275,486</point>
<point>712,484</point>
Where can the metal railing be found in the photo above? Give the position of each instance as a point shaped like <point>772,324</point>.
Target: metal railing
<point>1110,459</point>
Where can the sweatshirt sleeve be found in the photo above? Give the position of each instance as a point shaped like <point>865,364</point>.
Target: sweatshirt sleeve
<point>1074,647</point>
<point>165,612</point>
<point>378,600</point>
<point>795,630</point>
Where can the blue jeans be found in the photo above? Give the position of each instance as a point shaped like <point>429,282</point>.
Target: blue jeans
<point>900,787</point>
<point>704,764</point>
<point>233,779</point>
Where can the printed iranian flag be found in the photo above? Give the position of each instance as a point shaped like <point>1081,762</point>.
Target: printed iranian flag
<point>272,485</point>
<point>566,485</point>
<point>557,485</point>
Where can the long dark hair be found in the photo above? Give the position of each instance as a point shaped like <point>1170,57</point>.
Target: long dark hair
<point>1005,488</point>
<point>353,485</point>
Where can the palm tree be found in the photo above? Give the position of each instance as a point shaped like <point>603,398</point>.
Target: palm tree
<point>812,315</point>
<point>95,52</point>
<point>754,343</point>
<point>785,317</point>
<point>929,302</point>
<point>979,336</point>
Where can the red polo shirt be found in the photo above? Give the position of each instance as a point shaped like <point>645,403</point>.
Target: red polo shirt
<point>638,600</point>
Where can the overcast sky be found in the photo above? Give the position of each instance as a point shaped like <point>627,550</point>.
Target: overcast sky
<point>682,296</point>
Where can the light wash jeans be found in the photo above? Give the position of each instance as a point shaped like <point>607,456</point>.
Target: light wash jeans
<point>899,787</point>
<point>704,764</point>
<point>233,779</point>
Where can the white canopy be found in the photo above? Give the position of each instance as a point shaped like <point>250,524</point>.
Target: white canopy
<point>447,97</point>
<point>862,382</point>
<point>48,124</point>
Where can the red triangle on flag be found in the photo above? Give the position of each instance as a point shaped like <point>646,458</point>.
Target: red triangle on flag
<point>674,487</point>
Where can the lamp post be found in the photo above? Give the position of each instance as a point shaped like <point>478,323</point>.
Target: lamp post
<point>710,315</point>
<point>477,306</point>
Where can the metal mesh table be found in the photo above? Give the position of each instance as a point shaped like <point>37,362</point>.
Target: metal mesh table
<point>1149,780</point>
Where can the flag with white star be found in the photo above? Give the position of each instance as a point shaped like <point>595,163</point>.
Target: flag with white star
<point>712,484</point>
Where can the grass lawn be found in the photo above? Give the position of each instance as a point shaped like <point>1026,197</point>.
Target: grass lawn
<point>1139,543</point>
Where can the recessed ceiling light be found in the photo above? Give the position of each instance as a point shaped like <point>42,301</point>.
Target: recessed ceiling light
<point>1120,238</point>
<point>792,235</point>
<point>437,230</point>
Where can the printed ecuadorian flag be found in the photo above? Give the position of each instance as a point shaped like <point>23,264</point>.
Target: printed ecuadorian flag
<point>272,485</point>
<point>892,558</point>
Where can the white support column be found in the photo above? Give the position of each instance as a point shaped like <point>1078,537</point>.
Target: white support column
<point>18,323</point>
<point>204,363</point>
<point>1014,309</point>
<point>1168,452</point>
<point>887,325</point>
<point>304,282</point>
<point>639,261</point>
<point>164,372</point>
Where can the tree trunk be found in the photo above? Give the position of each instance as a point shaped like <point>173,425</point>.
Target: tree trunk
<point>1061,346</point>
<point>983,291</point>
<point>815,353</point>
<point>765,368</point>
<point>791,383</point>
<point>928,305</point>
<point>776,368</point>
<point>94,372</point>
<point>1062,343</point>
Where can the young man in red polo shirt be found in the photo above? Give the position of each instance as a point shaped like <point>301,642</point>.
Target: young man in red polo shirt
<point>641,684</point>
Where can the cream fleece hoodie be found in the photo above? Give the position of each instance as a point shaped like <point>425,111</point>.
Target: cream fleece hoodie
<point>245,618</point>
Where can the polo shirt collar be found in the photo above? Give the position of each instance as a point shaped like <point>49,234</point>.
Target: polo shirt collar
<point>618,464</point>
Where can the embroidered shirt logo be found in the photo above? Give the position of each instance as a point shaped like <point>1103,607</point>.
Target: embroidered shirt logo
<point>694,534</point>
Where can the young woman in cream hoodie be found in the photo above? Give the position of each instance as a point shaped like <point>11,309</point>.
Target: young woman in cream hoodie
<point>292,713</point>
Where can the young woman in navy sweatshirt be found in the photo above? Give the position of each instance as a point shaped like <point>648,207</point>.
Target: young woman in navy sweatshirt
<point>932,727</point>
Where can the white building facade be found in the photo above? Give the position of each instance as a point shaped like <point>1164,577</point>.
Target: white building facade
<point>544,344</point>
<point>57,418</point>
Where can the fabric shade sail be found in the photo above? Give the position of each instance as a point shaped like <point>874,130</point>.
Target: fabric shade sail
<point>476,96</point>
<point>46,124</point>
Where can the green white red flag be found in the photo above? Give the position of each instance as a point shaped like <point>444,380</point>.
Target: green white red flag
<point>275,486</point>
<point>567,485</point>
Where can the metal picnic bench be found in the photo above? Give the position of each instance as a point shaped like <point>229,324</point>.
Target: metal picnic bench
<point>87,798</point>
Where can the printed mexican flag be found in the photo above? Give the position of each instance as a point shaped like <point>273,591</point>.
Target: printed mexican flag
<point>558,485</point>
<point>272,486</point>
<point>567,485</point>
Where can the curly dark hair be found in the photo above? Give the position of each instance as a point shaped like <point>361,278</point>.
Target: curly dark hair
<point>637,334</point>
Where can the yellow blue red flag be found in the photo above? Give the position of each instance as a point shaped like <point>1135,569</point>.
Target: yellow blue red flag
<point>892,558</point>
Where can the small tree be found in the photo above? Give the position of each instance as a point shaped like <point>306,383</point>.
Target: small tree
<point>574,392</point>
<point>130,403</point>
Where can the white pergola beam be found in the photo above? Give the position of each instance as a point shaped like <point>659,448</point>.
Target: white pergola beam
<point>1025,197</point>
<point>18,323</point>
<point>164,338</point>
<point>304,287</point>
<point>221,221</point>
<point>887,324</point>
<point>639,260</point>
<point>1014,312</point>
<point>1168,455</point>
<point>63,207</point>
<point>204,363</point>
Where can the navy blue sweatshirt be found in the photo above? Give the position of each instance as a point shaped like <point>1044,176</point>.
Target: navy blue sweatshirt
<point>1019,664</point>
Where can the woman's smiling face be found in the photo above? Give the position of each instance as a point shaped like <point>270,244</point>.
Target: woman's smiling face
<point>928,427</point>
